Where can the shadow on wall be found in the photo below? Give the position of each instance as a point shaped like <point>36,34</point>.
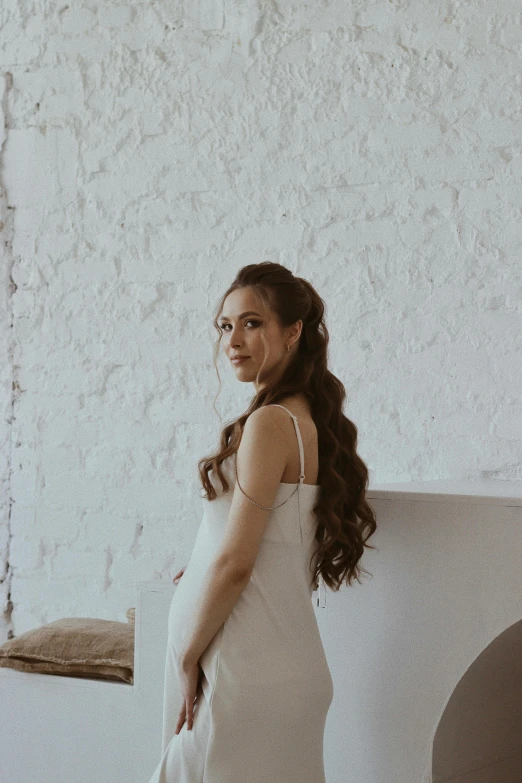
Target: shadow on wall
<point>478,739</point>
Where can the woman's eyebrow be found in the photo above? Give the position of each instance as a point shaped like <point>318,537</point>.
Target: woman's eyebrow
<point>242,315</point>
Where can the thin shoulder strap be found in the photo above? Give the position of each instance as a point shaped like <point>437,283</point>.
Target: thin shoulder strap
<point>301,479</point>
<point>299,439</point>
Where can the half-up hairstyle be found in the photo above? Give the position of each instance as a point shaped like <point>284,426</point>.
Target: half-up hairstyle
<point>345,520</point>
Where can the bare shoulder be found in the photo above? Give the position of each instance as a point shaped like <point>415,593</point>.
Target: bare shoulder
<point>263,446</point>
<point>269,436</point>
<point>263,425</point>
<point>299,407</point>
<point>265,417</point>
<point>271,419</point>
<point>267,428</point>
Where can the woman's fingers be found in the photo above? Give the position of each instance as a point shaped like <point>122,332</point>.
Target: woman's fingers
<point>181,720</point>
<point>186,714</point>
<point>190,715</point>
<point>187,710</point>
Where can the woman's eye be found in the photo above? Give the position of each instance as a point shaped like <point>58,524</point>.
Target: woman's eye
<point>223,326</point>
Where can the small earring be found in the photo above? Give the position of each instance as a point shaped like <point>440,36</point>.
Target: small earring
<point>287,348</point>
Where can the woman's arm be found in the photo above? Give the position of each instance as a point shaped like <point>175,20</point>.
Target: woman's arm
<point>220,591</point>
<point>261,461</point>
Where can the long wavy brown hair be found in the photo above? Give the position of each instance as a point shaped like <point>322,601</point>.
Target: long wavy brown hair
<point>345,520</point>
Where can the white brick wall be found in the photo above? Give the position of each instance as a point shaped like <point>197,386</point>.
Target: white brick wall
<point>148,152</point>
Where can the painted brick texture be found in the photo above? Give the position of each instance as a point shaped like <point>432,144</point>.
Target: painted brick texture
<point>148,152</point>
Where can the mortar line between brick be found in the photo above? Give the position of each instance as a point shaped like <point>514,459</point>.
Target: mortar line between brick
<point>6,222</point>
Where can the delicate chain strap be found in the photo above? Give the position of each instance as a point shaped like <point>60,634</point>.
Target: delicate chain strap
<point>299,512</point>
<point>253,501</point>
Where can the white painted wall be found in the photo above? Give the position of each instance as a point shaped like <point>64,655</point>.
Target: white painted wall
<point>151,150</point>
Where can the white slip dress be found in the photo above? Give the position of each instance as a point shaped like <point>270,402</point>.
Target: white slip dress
<point>266,683</point>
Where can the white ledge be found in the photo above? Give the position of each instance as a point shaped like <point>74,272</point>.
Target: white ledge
<point>488,491</point>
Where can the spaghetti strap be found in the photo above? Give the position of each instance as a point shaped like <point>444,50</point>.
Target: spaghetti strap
<point>299,439</point>
<point>321,600</point>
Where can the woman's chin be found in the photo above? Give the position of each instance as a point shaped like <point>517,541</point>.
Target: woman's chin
<point>243,374</point>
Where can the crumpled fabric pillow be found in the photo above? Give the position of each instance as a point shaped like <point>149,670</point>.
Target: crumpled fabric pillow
<point>75,647</point>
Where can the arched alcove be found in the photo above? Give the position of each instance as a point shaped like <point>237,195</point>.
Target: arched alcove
<point>479,736</point>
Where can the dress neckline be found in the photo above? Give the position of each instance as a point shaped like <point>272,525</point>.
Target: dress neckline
<point>295,483</point>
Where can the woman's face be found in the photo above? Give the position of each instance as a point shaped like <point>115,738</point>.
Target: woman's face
<point>241,321</point>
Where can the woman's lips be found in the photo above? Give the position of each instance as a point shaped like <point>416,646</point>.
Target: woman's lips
<point>241,360</point>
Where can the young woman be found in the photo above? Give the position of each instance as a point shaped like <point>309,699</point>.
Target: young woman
<point>284,506</point>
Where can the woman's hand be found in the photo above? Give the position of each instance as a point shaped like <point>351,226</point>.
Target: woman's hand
<point>190,677</point>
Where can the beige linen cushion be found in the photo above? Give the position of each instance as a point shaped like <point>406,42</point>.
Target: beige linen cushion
<point>75,647</point>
